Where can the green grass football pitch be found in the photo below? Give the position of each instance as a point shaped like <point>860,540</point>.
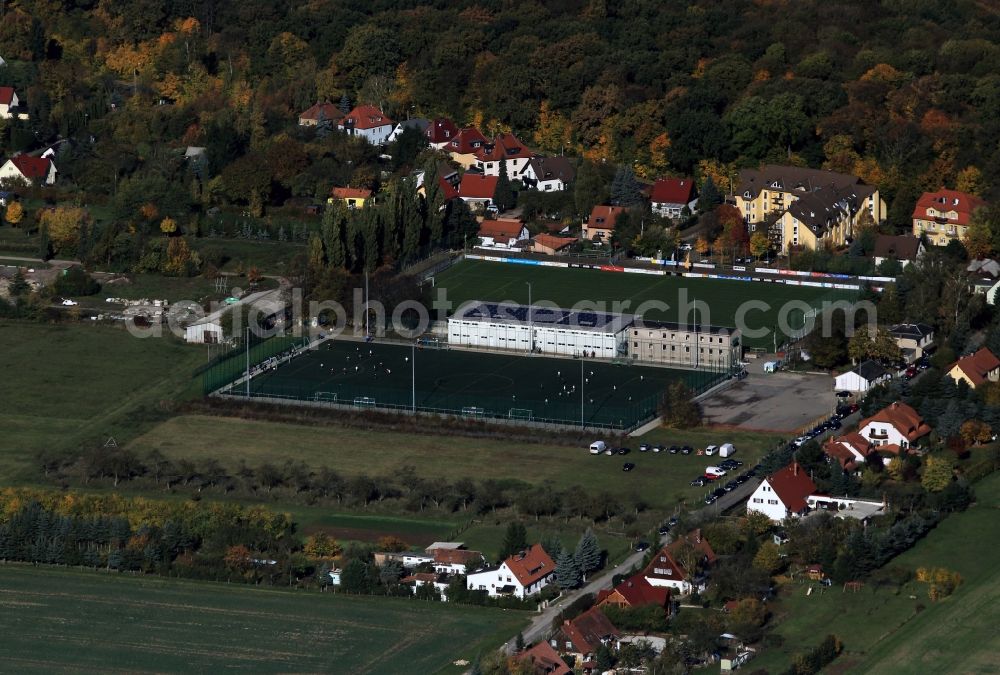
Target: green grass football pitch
<point>484,280</point>
<point>490,385</point>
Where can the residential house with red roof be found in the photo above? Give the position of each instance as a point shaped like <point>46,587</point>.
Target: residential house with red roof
<point>895,428</point>
<point>521,575</point>
<point>29,170</point>
<point>782,494</point>
<point>456,560</point>
<point>545,660</point>
<point>418,579</point>
<point>478,191</point>
<point>635,591</point>
<point>550,244</point>
<point>354,198</point>
<point>601,222</point>
<point>440,132</point>
<point>10,105</point>
<point>579,638</point>
<point>369,123</point>
<point>669,196</point>
<point>502,233</point>
<point>463,147</point>
<point>317,112</point>
<point>973,369</point>
<point>506,148</point>
<point>944,215</point>
<point>850,450</point>
<point>667,568</point>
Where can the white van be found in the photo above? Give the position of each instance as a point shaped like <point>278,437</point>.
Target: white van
<point>710,450</point>
<point>727,450</point>
<point>597,447</point>
<point>714,471</point>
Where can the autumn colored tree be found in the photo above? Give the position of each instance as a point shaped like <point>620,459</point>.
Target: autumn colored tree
<point>876,344</point>
<point>168,226</point>
<point>978,238</point>
<point>759,243</point>
<point>970,180</point>
<point>701,245</point>
<point>238,558</point>
<point>14,213</point>
<point>391,544</point>
<point>321,546</point>
<point>554,131</point>
<point>976,432</point>
<point>768,558</point>
<point>938,473</point>
<point>62,225</point>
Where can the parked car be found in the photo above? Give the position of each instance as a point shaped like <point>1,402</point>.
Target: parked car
<point>687,450</point>
<point>719,492</point>
<point>658,448</point>
<point>623,451</point>
<point>911,372</point>
<point>597,447</point>
<point>710,450</point>
<point>641,546</point>
<point>710,499</point>
<point>674,449</point>
<point>644,447</point>
<point>664,530</point>
<point>800,441</point>
<point>628,466</point>
<point>727,450</point>
<point>730,486</point>
<point>699,481</point>
<point>673,521</point>
<point>610,451</point>
<point>715,471</point>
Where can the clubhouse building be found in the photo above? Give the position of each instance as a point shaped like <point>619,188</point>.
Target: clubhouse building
<point>593,334</point>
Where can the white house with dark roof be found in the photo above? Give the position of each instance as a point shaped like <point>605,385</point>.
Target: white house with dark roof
<point>862,378</point>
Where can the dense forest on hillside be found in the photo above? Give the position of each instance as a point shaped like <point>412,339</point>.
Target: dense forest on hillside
<point>903,93</point>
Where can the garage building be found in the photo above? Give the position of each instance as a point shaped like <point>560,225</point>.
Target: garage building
<point>545,330</point>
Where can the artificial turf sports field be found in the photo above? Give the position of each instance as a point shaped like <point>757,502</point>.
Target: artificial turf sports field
<point>482,384</point>
<point>485,280</point>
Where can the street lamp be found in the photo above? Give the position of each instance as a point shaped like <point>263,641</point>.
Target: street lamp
<point>531,326</point>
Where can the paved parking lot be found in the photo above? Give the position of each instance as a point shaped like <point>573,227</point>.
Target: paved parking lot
<point>775,402</point>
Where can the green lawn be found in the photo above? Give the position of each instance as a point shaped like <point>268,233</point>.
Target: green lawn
<point>484,280</point>
<point>883,632</point>
<point>661,478</point>
<point>64,383</point>
<point>57,620</point>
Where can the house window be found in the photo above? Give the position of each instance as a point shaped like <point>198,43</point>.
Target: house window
<point>772,501</point>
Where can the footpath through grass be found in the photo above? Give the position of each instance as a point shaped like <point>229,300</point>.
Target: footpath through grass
<point>888,632</point>
<point>66,383</point>
<point>58,620</point>
<point>661,479</point>
<point>484,280</point>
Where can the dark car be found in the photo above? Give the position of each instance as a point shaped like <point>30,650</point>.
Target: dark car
<point>719,492</point>
<point>674,449</point>
<point>664,529</point>
<point>641,546</point>
<point>699,481</point>
<point>834,424</point>
<point>710,499</point>
<point>730,486</point>
<point>687,450</point>
<point>628,466</point>
<point>658,448</point>
<point>673,521</point>
<point>623,451</point>
<point>644,447</point>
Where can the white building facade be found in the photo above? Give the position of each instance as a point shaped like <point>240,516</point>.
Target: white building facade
<point>545,330</point>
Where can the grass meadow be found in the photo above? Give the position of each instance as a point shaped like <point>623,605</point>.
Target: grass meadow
<point>661,479</point>
<point>80,383</point>
<point>484,280</point>
<point>890,633</point>
<point>60,620</point>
